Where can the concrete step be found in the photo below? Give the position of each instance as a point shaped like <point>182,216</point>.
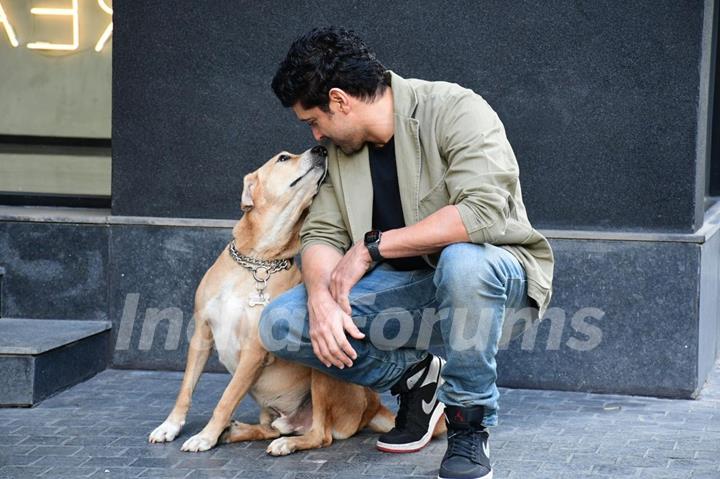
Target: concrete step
<point>40,357</point>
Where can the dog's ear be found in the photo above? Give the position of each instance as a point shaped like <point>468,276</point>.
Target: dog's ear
<point>249,182</point>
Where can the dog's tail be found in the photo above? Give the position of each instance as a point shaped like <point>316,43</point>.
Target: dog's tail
<point>382,421</point>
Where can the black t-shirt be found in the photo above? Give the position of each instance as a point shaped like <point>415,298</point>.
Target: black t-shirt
<point>387,208</point>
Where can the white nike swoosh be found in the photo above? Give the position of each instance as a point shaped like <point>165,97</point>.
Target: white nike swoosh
<point>427,407</point>
<point>486,449</point>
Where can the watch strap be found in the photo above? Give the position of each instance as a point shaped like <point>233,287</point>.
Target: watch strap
<point>374,250</point>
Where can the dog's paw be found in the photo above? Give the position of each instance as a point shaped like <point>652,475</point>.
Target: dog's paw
<point>281,446</point>
<point>236,428</point>
<point>165,432</point>
<point>198,443</point>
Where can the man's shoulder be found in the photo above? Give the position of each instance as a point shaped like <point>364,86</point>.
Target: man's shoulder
<point>438,102</point>
<point>426,100</point>
<point>429,90</point>
<point>437,99</point>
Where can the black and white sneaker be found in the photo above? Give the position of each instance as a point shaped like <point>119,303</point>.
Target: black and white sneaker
<point>468,451</point>
<point>419,410</point>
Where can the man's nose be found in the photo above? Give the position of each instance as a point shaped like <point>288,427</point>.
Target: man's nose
<point>316,134</point>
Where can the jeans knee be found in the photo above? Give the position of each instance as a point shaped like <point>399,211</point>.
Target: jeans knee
<point>470,265</point>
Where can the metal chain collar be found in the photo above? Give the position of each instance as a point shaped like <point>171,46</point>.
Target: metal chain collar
<point>255,264</point>
<point>261,270</point>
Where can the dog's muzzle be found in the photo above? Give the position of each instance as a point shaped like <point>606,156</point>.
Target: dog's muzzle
<point>319,160</point>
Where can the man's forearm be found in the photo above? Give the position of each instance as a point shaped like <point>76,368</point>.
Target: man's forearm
<point>437,230</point>
<point>318,262</point>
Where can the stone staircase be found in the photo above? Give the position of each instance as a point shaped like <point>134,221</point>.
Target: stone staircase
<point>40,357</point>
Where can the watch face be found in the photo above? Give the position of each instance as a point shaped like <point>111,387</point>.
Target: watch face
<point>372,236</point>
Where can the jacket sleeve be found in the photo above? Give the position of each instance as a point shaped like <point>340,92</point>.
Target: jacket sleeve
<point>324,222</point>
<point>482,171</point>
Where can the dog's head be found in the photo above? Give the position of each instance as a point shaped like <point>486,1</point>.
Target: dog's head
<point>285,181</point>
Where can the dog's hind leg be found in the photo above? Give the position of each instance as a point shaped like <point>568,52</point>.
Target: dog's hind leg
<point>238,431</point>
<point>440,427</point>
<point>320,433</point>
<point>198,352</point>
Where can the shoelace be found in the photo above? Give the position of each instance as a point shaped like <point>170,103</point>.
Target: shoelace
<point>464,443</point>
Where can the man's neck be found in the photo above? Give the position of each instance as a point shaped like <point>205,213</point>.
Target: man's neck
<point>380,125</point>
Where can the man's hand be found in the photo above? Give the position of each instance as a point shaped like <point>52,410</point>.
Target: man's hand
<point>347,273</point>
<point>328,324</point>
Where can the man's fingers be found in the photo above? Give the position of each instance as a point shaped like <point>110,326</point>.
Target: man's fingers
<point>319,355</point>
<point>319,349</point>
<point>330,353</point>
<point>344,352</point>
<point>328,356</point>
<point>329,340</point>
<point>352,328</point>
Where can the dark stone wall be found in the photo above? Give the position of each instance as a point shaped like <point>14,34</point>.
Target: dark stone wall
<point>155,272</point>
<point>599,98</point>
<point>714,164</point>
<point>634,317</point>
<point>54,271</point>
<point>623,319</point>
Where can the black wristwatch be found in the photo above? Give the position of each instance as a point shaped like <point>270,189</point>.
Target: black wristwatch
<point>372,243</point>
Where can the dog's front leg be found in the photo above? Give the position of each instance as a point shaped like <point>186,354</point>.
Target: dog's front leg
<point>246,373</point>
<point>198,352</point>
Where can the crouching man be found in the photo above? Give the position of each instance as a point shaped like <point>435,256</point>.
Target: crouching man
<point>417,238</point>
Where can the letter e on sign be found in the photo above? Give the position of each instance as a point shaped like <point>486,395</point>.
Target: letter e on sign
<point>70,12</point>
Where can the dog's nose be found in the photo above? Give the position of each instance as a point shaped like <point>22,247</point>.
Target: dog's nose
<point>319,150</point>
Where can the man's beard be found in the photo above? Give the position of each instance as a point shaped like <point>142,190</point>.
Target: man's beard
<point>350,148</point>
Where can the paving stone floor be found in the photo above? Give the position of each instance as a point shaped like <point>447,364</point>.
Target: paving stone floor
<point>99,429</point>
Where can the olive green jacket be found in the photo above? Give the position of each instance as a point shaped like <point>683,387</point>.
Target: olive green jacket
<point>450,148</point>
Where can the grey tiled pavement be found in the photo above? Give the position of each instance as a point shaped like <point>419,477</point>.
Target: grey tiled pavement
<point>99,429</point>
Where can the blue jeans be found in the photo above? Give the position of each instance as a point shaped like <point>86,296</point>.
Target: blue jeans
<point>460,306</point>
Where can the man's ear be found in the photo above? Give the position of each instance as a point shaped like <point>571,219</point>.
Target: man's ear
<point>340,99</point>
<point>249,182</point>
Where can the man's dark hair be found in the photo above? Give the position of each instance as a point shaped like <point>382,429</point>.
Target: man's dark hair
<point>325,58</point>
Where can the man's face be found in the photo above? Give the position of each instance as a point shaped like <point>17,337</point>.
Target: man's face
<point>336,126</point>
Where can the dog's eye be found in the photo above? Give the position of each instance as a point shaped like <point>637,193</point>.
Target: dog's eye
<point>284,158</point>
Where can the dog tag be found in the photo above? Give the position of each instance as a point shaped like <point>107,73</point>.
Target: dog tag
<point>258,299</point>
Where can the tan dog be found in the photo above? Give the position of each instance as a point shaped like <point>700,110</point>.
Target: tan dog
<point>293,398</point>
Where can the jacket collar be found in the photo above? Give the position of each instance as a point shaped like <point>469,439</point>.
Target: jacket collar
<point>354,170</point>
<point>404,97</point>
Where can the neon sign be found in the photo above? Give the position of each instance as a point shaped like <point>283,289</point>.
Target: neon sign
<point>8,28</point>
<point>73,15</point>
<point>108,31</point>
